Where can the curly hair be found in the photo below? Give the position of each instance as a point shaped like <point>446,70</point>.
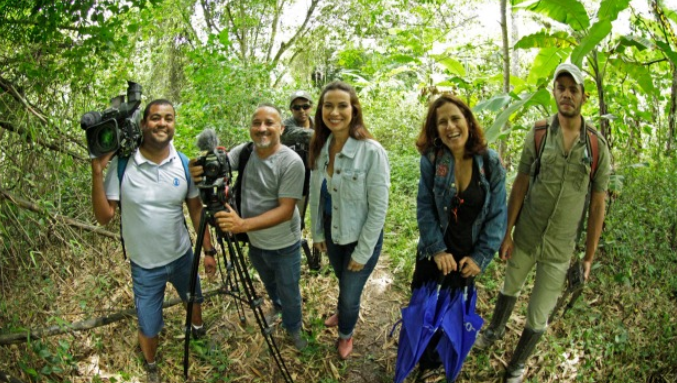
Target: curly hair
<point>428,135</point>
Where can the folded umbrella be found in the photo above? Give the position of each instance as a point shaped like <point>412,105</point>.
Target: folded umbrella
<point>420,321</point>
<point>460,325</point>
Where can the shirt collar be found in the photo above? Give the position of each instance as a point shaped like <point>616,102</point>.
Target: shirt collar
<point>141,159</point>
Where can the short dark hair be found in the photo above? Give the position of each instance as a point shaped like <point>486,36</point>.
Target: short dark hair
<point>426,138</point>
<point>159,101</point>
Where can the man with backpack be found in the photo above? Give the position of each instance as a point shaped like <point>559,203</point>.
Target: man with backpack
<point>270,180</point>
<point>150,189</point>
<point>564,164</point>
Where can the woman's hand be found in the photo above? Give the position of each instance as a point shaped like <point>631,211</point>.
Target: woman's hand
<point>468,267</point>
<point>355,266</point>
<point>321,246</point>
<point>445,262</point>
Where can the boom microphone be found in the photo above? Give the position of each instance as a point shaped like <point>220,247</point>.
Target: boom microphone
<point>207,140</point>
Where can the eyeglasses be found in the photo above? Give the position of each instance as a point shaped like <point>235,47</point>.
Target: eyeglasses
<point>299,107</point>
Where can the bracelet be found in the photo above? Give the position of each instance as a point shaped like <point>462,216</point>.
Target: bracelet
<point>210,253</point>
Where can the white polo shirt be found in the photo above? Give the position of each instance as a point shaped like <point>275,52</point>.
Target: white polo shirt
<point>152,208</point>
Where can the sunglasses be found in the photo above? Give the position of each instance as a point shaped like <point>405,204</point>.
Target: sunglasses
<point>299,107</point>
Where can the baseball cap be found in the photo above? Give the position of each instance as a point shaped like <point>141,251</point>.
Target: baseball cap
<point>299,94</point>
<point>570,69</point>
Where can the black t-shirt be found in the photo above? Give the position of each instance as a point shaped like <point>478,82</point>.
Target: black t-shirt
<point>465,206</point>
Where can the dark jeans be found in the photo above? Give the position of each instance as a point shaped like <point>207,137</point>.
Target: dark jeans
<point>351,283</point>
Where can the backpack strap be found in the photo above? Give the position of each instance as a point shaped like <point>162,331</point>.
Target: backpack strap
<point>245,153</point>
<point>122,167</point>
<point>593,144</point>
<point>540,134</point>
<point>184,161</point>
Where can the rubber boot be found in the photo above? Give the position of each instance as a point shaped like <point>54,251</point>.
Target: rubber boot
<point>496,329</point>
<point>514,373</point>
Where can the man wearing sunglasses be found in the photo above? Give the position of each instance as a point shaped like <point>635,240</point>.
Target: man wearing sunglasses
<point>298,129</point>
<point>300,104</point>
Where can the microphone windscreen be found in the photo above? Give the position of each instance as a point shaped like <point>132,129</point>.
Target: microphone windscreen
<point>207,140</point>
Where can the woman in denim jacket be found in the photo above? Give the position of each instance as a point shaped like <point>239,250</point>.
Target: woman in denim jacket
<point>461,203</point>
<point>349,184</point>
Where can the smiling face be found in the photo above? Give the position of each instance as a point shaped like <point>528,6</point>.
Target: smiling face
<point>266,128</point>
<point>158,126</point>
<point>452,127</point>
<point>569,96</point>
<point>300,110</point>
<point>337,112</point>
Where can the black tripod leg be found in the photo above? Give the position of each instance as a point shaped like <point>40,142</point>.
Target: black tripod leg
<point>255,303</point>
<point>193,285</point>
<point>231,279</point>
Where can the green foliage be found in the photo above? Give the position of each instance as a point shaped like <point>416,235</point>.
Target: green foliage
<point>570,12</point>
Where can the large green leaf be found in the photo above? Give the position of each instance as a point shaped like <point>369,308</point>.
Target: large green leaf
<point>638,72</point>
<point>597,33</point>
<point>570,12</point>
<point>493,104</point>
<point>545,63</point>
<point>527,100</point>
<point>609,9</point>
<point>450,64</point>
<point>672,55</point>
<point>638,42</point>
<point>545,39</point>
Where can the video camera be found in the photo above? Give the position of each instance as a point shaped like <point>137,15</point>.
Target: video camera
<point>214,187</point>
<point>116,128</point>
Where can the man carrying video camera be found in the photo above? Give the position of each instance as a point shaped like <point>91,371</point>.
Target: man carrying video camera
<point>272,183</point>
<point>151,196</point>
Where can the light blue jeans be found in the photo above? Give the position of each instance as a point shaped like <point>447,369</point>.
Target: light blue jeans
<point>280,271</point>
<point>351,283</point>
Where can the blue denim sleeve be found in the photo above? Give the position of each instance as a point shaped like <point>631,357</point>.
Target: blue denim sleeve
<point>496,220</point>
<point>431,238</point>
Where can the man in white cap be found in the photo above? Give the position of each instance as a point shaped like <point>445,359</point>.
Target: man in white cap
<point>300,105</point>
<point>558,169</point>
<point>298,130</point>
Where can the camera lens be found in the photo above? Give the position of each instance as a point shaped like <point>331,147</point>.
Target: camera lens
<point>103,138</point>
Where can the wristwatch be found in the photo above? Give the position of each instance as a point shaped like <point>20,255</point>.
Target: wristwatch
<point>210,253</point>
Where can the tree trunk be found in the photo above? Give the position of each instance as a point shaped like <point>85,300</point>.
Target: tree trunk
<point>672,117</point>
<point>506,67</point>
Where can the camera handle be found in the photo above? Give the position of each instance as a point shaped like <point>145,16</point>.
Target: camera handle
<point>253,300</point>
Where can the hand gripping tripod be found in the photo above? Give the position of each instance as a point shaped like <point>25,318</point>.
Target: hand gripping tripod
<point>214,197</point>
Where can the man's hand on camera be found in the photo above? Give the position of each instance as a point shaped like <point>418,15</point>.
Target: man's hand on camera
<point>100,163</point>
<point>196,171</point>
<point>228,220</point>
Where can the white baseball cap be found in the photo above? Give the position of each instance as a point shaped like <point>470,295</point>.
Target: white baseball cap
<point>572,70</point>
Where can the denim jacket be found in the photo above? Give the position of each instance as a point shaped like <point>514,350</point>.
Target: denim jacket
<point>436,188</point>
<point>359,195</point>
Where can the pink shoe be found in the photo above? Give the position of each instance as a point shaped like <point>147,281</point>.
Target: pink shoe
<point>332,321</point>
<point>345,347</point>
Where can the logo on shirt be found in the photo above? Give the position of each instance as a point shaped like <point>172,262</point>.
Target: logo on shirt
<point>176,182</point>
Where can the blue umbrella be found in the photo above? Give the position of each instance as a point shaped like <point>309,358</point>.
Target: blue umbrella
<point>460,325</point>
<point>420,321</point>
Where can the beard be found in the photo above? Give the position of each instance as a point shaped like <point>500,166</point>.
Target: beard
<point>570,113</point>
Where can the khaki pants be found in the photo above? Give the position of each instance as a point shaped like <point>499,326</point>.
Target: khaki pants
<point>550,276</point>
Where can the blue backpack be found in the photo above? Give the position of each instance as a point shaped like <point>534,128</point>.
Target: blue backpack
<point>122,167</point>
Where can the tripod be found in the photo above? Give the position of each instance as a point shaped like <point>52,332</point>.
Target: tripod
<point>236,261</point>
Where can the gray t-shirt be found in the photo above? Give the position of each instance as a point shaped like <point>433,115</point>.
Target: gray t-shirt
<point>280,175</point>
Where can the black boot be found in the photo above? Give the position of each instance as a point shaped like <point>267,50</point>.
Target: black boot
<point>527,343</point>
<point>496,329</point>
